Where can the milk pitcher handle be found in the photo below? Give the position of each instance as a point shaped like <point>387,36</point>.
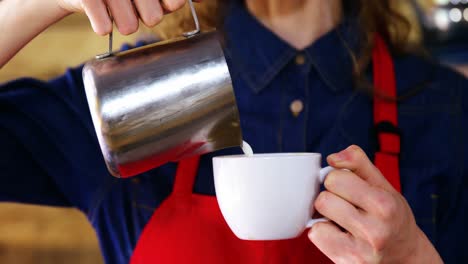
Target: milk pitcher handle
<point>185,34</point>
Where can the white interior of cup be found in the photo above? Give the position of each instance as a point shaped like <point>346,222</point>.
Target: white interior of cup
<point>270,155</point>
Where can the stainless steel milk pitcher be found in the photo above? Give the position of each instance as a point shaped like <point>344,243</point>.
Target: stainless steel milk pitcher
<point>162,102</point>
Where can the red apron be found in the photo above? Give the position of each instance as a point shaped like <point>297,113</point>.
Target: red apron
<point>189,228</point>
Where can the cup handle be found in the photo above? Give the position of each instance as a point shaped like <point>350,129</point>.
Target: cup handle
<point>312,222</point>
<point>323,174</point>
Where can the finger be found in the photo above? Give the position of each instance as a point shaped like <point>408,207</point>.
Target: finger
<point>341,212</point>
<point>124,16</point>
<point>172,5</point>
<point>329,239</point>
<point>150,11</point>
<point>356,160</point>
<point>97,13</point>
<point>353,189</point>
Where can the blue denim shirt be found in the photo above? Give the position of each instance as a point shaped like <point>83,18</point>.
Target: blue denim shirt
<point>50,154</point>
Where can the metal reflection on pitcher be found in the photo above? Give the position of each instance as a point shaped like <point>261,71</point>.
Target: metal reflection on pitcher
<point>161,103</point>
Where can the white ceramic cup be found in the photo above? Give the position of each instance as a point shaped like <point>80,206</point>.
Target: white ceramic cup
<point>268,196</point>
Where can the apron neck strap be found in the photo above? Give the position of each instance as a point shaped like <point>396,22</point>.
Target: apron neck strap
<point>185,176</point>
<point>386,131</point>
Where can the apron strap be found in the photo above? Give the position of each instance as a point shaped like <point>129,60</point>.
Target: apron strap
<point>185,176</point>
<point>387,133</point>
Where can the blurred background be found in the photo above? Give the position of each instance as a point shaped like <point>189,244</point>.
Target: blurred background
<point>444,30</point>
<point>34,234</point>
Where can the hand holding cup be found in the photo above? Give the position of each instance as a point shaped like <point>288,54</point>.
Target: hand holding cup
<point>370,221</point>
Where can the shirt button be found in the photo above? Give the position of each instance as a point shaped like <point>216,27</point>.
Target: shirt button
<point>296,107</point>
<point>300,59</point>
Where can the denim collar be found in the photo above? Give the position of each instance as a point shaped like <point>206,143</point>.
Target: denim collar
<point>259,55</point>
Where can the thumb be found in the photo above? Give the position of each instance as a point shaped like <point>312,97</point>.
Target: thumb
<point>355,159</point>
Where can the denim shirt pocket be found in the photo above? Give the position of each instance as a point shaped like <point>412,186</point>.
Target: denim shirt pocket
<point>421,189</point>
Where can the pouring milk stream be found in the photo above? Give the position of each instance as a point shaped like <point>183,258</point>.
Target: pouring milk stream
<point>247,149</point>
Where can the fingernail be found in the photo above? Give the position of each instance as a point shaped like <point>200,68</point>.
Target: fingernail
<point>337,157</point>
<point>342,155</point>
<point>310,234</point>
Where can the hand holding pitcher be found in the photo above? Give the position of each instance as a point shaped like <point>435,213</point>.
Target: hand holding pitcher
<point>125,13</point>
